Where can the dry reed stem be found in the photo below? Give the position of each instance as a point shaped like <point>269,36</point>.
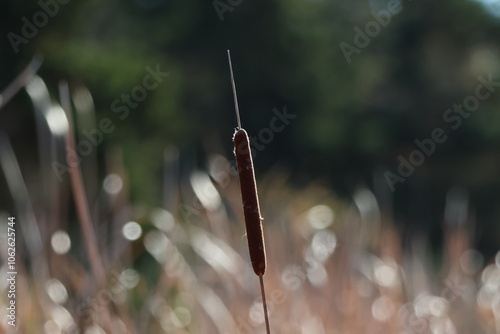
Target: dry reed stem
<point>82,207</point>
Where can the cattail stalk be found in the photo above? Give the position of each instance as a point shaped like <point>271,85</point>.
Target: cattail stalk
<point>250,199</point>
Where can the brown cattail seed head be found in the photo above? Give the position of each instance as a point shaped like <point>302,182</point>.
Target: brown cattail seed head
<point>251,208</point>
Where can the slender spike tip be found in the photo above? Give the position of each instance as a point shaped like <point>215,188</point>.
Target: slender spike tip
<point>264,303</point>
<point>234,90</point>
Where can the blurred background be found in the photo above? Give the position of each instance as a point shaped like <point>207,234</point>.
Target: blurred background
<point>143,232</point>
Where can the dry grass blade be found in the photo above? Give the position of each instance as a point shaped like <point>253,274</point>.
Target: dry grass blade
<point>19,192</point>
<point>86,119</point>
<point>219,255</point>
<point>82,207</point>
<point>29,226</point>
<point>20,81</point>
<point>51,126</point>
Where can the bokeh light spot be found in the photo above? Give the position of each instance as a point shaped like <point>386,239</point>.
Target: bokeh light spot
<point>112,184</point>
<point>132,231</point>
<point>320,216</point>
<point>61,243</point>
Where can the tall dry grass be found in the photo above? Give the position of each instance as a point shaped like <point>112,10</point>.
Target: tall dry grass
<point>334,266</point>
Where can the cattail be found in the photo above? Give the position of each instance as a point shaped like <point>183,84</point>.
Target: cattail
<point>250,199</point>
<point>251,208</point>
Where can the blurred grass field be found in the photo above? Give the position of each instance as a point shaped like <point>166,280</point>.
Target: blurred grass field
<point>116,161</point>
<point>334,265</point>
